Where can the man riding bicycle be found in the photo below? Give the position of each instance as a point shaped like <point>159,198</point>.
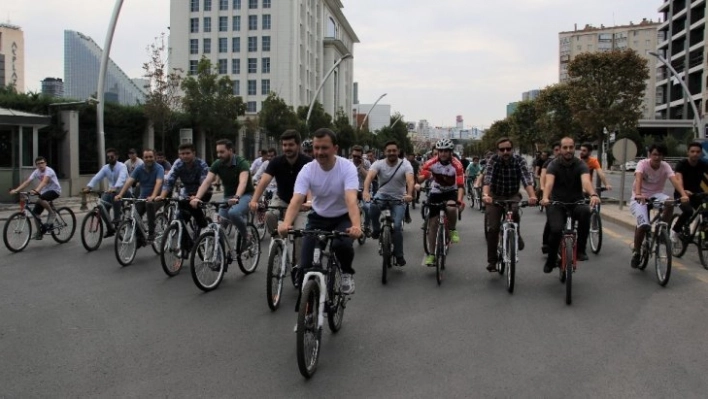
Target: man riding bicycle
<point>395,183</point>
<point>48,190</point>
<point>690,171</point>
<point>471,173</point>
<point>502,176</point>
<point>593,164</point>
<point>116,173</point>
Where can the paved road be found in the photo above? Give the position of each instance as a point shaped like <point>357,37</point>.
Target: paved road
<point>75,324</point>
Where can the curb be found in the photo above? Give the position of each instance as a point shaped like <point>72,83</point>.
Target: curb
<point>618,220</point>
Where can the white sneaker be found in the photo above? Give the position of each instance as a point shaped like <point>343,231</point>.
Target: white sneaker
<point>347,284</point>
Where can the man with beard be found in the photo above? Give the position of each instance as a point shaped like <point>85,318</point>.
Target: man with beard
<point>567,179</point>
<point>149,176</point>
<point>116,173</point>
<point>502,176</point>
<point>542,180</point>
<point>273,186</point>
<point>238,188</point>
<point>131,163</point>
<point>396,177</point>
<point>690,171</point>
<point>593,164</point>
<point>333,183</point>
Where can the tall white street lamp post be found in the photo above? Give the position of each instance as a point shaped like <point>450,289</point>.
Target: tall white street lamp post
<point>317,93</point>
<point>396,121</point>
<point>686,91</point>
<point>372,108</point>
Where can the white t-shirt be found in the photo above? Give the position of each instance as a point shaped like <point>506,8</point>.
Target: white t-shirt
<point>53,184</point>
<point>328,187</point>
<point>396,186</point>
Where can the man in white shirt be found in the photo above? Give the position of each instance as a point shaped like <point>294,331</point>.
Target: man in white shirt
<point>333,182</point>
<point>131,163</point>
<point>259,161</point>
<point>48,189</point>
<point>116,173</point>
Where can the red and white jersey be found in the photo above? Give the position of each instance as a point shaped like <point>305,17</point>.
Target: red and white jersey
<point>446,178</point>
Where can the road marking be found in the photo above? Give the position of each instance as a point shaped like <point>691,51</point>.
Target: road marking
<point>674,263</point>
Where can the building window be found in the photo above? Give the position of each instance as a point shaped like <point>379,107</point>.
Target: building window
<point>265,43</point>
<point>251,106</point>
<point>265,65</point>
<point>252,65</point>
<point>223,45</point>
<point>207,24</point>
<point>223,66</point>
<point>223,5</point>
<point>236,23</point>
<point>253,22</point>
<point>193,46</point>
<point>193,64</point>
<point>194,25</point>
<point>252,88</point>
<point>265,24</point>
<point>207,46</point>
<point>236,66</point>
<point>194,6</point>
<point>237,87</point>
<point>252,43</point>
<point>207,5</point>
<point>265,86</point>
<point>237,5</point>
<point>236,45</point>
<point>266,3</point>
<point>331,28</point>
<point>252,4</point>
<point>223,24</point>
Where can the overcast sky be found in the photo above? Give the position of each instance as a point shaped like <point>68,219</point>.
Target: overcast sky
<point>435,59</point>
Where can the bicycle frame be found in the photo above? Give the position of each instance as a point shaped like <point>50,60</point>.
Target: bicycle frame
<point>508,227</point>
<point>25,203</point>
<point>320,274</point>
<point>136,221</point>
<point>569,232</point>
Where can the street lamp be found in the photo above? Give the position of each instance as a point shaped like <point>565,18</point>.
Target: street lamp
<point>317,93</point>
<point>396,121</point>
<point>696,115</point>
<point>372,108</point>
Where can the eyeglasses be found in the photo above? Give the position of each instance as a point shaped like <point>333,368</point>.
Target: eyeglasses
<point>40,163</point>
<point>356,156</point>
<point>504,149</point>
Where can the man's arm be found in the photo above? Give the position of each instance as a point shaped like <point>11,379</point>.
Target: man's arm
<point>97,178</point>
<point>638,177</point>
<point>603,178</point>
<point>548,187</point>
<point>128,184</point>
<point>410,185</point>
<point>204,187</point>
<point>588,188</point>
<point>24,184</point>
<point>353,208</point>
<point>262,184</point>
<point>242,182</point>
<point>42,183</point>
<point>367,183</point>
<point>293,210</point>
<point>678,185</point>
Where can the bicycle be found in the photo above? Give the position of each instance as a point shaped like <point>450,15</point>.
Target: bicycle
<point>177,241</point>
<point>657,243</point>
<point>212,252</point>
<point>508,246</point>
<point>321,293</point>
<point>259,218</point>
<point>365,230</point>
<point>442,239</point>
<point>695,231</point>
<point>386,237</point>
<point>127,242</point>
<point>19,224</point>
<point>595,234</point>
<point>281,260</point>
<point>92,225</point>
<point>568,249</point>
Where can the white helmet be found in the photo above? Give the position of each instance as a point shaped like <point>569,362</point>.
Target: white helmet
<point>444,144</point>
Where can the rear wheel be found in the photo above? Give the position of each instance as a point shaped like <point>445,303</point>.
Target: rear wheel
<point>595,232</point>
<point>679,247</point>
<point>275,276</point>
<point>309,334</point>
<point>385,252</point>
<point>440,254</point>
<point>644,254</point>
<point>335,311</point>
<point>511,253</point>
<point>260,224</point>
<point>568,264</point>
<point>17,232</point>
<point>362,238</point>
<point>92,231</point>
<point>172,254</point>
<point>126,243</point>
<point>208,262</point>
<point>64,225</point>
<point>248,258</point>
<point>703,244</point>
<point>662,258</point>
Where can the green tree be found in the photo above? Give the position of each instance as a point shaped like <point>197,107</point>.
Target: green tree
<point>397,132</point>
<point>555,117</point>
<point>498,129</point>
<point>524,128</point>
<point>318,118</point>
<point>276,116</point>
<point>345,131</point>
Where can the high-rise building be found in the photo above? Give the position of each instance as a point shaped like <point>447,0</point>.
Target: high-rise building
<point>281,46</point>
<point>682,43</point>
<point>12,47</point>
<point>53,87</point>
<point>82,61</point>
<point>511,108</point>
<point>530,95</point>
<point>641,38</point>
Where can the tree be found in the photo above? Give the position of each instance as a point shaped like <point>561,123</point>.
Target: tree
<point>276,116</point>
<point>554,115</point>
<point>397,132</point>
<point>345,131</point>
<point>497,130</point>
<point>318,118</point>
<point>162,99</point>
<point>524,130</point>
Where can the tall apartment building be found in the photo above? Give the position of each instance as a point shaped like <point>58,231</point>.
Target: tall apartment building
<point>641,38</point>
<point>682,43</point>
<point>282,46</point>
<point>12,48</point>
<point>530,95</point>
<point>53,87</point>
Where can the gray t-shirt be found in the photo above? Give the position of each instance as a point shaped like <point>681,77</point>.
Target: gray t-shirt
<point>396,186</point>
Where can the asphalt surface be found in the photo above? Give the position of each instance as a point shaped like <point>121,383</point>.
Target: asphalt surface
<point>76,324</point>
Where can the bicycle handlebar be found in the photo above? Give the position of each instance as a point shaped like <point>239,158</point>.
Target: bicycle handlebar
<point>319,233</point>
<point>505,203</point>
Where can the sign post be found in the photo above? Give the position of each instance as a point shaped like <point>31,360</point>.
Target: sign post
<point>620,149</point>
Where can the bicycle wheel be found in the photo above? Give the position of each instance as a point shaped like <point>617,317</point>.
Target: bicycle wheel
<point>92,231</point>
<point>662,258</point>
<point>275,276</point>
<point>362,238</point>
<point>644,252</point>
<point>425,236</point>
<point>561,269</point>
<point>500,255</point>
<point>595,232</point>
<point>64,225</point>
<point>679,247</point>
<point>126,243</point>
<point>248,259</point>
<point>335,310</point>
<point>511,264</point>
<point>260,224</point>
<point>208,261</point>
<point>17,232</point>
<point>385,253</point>
<point>309,334</point>
<point>440,254</point>
<point>171,254</point>
<point>703,245</point>
<point>161,223</point>
<point>568,265</point>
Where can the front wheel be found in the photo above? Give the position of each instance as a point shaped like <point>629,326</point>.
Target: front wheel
<point>309,333</point>
<point>679,247</point>
<point>275,276</point>
<point>568,265</point>
<point>64,225</point>
<point>248,258</point>
<point>385,253</point>
<point>161,223</point>
<point>335,310</point>
<point>92,231</point>
<point>440,254</point>
<point>208,262</point>
<point>17,232</point>
<point>662,258</point>
<point>511,261</point>
<point>172,254</point>
<point>703,245</point>
<point>426,223</point>
<point>595,232</point>
<point>126,243</point>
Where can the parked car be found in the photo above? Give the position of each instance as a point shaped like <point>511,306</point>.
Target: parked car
<point>630,165</point>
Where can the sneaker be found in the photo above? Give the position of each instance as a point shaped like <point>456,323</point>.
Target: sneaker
<point>635,259</point>
<point>408,219</point>
<point>38,235</point>
<point>521,244</point>
<point>347,284</point>
<point>454,236</point>
<point>549,266</point>
<point>582,256</point>
<point>400,261</point>
<point>245,244</point>
<point>492,267</point>
<point>430,260</point>
<point>375,235</point>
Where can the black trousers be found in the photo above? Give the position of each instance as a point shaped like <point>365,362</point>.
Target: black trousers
<point>342,247</point>
<point>555,215</point>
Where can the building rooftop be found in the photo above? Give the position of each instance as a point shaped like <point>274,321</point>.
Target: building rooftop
<point>9,26</point>
<point>645,23</point>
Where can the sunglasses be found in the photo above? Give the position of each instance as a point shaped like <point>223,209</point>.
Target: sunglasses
<point>356,156</point>
<point>504,149</point>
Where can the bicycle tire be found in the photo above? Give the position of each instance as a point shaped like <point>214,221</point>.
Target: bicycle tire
<point>19,223</point>
<point>309,334</point>
<point>335,311</point>
<point>362,238</point>
<point>65,225</point>
<point>92,231</point>
<point>440,254</point>
<point>663,272</point>
<point>260,224</point>
<point>248,260</point>
<point>161,223</point>
<point>385,253</point>
<point>703,245</point>
<point>204,249</point>
<point>568,263</point>
<point>500,254</point>
<point>560,255</point>
<point>644,253</point>
<point>595,235</point>
<point>124,246</point>
<point>426,248</point>
<point>511,266</point>
<point>678,248</point>
<point>172,258</point>
<point>275,276</point>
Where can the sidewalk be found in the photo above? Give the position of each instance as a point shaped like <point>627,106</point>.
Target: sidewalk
<point>612,213</point>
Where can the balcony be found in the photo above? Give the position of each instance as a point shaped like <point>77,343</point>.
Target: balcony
<point>664,6</point>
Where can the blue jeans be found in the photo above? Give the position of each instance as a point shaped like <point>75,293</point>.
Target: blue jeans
<point>342,247</point>
<point>238,214</point>
<point>397,211</point>
<point>108,201</point>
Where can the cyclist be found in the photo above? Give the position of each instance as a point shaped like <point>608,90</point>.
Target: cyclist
<point>396,183</point>
<point>649,180</point>
<point>448,185</point>
<point>537,165</point>
<point>272,187</point>
<point>48,190</point>
<point>567,179</point>
<point>542,180</point>
<point>416,167</point>
<point>593,164</point>
<point>690,171</point>
<point>238,187</point>
<point>362,169</point>
<point>471,173</point>
<point>116,173</point>
<point>334,185</point>
<point>371,157</point>
<point>131,163</point>
<point>149,176</point>
<point>160,159</point>
<point>502,176</point>
<point>307,147</point>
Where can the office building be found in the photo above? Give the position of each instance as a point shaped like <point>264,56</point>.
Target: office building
<point>53,87</point>
<point>511,108</point>
<point>12,48</point>
<point>82,61</point>
<point>530,95</point>
<point>285,47</point>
